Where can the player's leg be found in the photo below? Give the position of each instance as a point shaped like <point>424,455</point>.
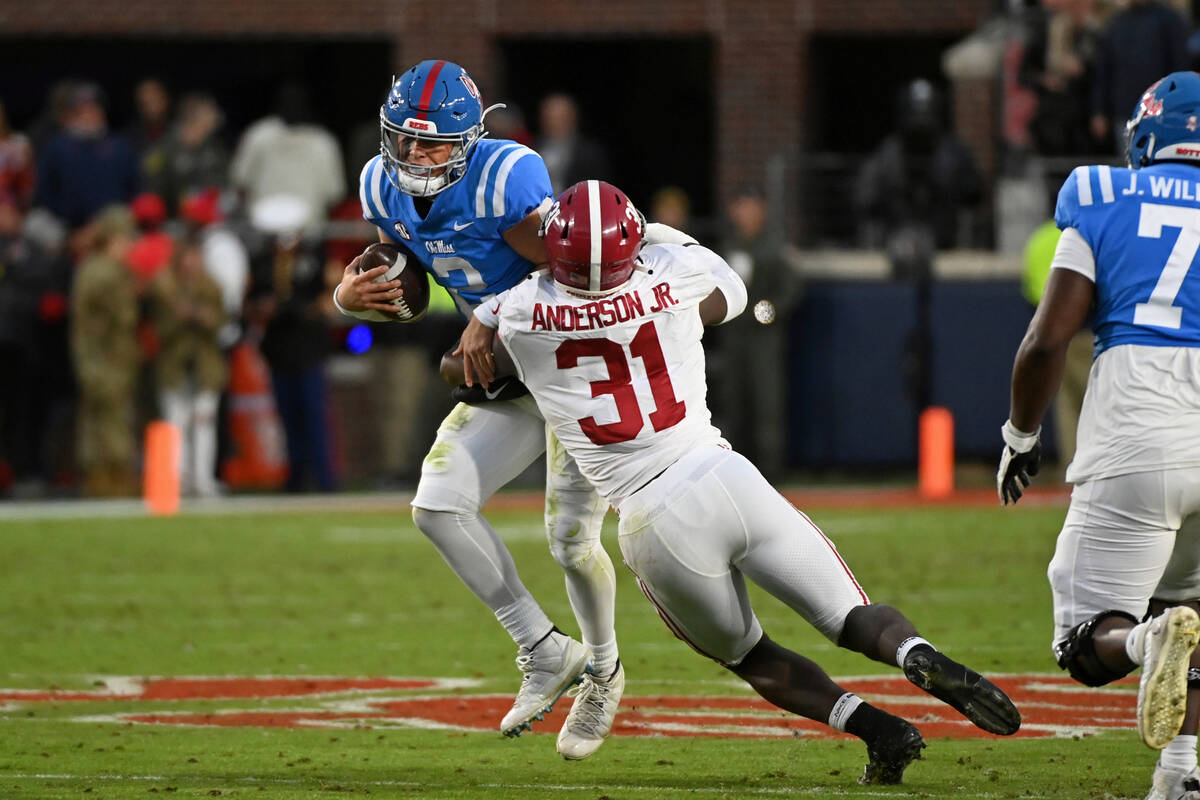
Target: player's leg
<point>1176,772</point>
<point>679,535</point>
<point>478,449</point>
<point>574,519</point>
<point>176,409</point>
<point>204,441</point>
<point>884,634</point>
<point>791,558</point>
<point>797,684</point>
<point>1112,553</point>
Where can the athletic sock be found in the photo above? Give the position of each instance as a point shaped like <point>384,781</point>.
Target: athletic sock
<point>1135,640</point>
<point>1179,755</point>
<point>869,723</point>
<point>908,645</point>
<point>525,621</point>
<point>604,658</point>
<point>843,709</point>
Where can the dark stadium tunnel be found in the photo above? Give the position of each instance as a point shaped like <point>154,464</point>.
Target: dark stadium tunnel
<point>657,125</point>
<point>346,78</point>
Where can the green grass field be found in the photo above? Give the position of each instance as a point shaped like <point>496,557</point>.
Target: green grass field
<point>338,593</point>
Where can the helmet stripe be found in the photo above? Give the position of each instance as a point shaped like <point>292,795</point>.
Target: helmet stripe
<point>597,234</point>
<point>427,90</point>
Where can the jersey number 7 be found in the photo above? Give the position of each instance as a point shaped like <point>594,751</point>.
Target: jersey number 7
<point>1160,310</point>
<point>668,410</point>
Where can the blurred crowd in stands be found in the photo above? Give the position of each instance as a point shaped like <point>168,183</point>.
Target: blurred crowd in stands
<point>168,267</point>
<point>171,269</point>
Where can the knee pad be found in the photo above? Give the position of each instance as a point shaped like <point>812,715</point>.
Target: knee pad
<point>427,521</point>
<point>573,525</point>
<point>570,553</point>
<point>1077,653</point>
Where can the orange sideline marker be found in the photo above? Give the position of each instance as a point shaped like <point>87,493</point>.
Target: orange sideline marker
<point>160,479</point>
<point>935,468</point>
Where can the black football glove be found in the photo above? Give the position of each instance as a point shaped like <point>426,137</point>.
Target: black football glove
<point>1019,461</point>
<point>506,388</point>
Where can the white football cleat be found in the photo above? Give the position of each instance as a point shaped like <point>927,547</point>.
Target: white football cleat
<point>1172,785</point>
<point>591,717</point>
<point>1162,692</point>
<point>554,665</point>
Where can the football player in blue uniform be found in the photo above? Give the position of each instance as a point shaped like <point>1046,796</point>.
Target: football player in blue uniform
<point>469,209</point>
<point>1125,576</point>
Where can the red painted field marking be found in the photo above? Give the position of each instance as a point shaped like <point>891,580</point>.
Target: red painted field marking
<point>1051,705</point>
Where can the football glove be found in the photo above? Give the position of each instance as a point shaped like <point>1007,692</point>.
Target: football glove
<point>506,388</point>
<point>1020,459</point>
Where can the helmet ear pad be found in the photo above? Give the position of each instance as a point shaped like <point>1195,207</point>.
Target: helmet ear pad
<point>593,235</point>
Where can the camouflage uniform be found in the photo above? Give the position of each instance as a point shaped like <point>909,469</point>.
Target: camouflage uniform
<point>104,315</point>
<point>188,349</point>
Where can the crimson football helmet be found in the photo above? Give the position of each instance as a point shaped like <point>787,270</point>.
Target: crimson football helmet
<point>593,234</point>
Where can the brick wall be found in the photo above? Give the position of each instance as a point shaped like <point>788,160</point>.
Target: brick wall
<point>760,46</point>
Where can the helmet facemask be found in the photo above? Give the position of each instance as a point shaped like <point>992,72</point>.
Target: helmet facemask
<point>424,180</point>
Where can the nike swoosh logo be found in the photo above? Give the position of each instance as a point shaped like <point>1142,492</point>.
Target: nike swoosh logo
<point>464,226</point>
<point>492,395</point>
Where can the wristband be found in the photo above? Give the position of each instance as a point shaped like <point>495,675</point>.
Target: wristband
<point>338,305</point>
<point>367,314</point>
<point>1019,441</point>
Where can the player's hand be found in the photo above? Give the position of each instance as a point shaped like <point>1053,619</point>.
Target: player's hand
<point>475,347</point>
<point>1020,460</point>
<point>358,290</point>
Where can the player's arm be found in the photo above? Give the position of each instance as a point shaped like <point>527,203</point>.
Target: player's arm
<point>475,345</point>
<point>523,237</point>
<point>358,292</point>
<point>1038,367</point>
<point>729,298</point>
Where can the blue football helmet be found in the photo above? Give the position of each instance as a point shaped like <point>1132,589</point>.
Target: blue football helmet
<point>435,101</point>
<point>1165,125</point>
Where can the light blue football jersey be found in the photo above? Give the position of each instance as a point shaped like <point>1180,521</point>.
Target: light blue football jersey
<point>1144,230</point>
<point>460,241</point>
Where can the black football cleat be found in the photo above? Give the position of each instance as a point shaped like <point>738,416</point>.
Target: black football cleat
<point>890,754</point>
<point>971,694</point>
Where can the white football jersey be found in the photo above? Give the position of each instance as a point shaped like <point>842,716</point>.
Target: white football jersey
<point>620,379</point>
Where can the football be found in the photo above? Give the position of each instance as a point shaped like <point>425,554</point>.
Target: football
<point>411,305</point>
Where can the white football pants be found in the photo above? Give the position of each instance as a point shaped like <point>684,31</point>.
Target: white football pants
<point>696,532</point>
<point>480,448</point>
<point>1125,540</point>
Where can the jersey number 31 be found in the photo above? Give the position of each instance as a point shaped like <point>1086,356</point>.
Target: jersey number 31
<point>668,410</point>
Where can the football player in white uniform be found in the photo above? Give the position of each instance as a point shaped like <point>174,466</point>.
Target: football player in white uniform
<point>468,208</point>
<point>608,341</point>
<point>1129,549</point>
